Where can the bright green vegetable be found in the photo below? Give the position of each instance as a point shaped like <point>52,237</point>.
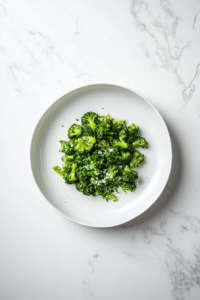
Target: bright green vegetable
<point>100,154</point>
<point>137,159</point>
<point>74,131</point>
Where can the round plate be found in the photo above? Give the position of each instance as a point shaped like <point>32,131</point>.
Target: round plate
<point>121,103</point>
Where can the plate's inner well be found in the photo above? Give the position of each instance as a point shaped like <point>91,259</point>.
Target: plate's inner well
<point>121,104</point>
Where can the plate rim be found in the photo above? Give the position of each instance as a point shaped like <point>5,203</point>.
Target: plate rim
<point>170,156</point>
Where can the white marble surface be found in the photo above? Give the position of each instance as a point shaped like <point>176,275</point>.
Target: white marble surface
<point>50,47</point>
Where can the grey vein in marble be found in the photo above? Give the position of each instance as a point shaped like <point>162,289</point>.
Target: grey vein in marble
<point>163,32</point>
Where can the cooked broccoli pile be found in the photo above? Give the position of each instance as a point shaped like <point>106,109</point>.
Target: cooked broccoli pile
<point>100,156</point>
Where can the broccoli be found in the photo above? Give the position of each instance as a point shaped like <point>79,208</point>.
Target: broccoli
<point>84,144</point>
<point>137,159</point>
<point>99,156</point>
<point>129,175</point>
<point>108,195</point>
<point>120,144</point>
<point>105,119</point>
<point>58,170</point>
<point>86,189</point>
<point>133,130</point>
<point>103,145</point>
<point>118,125</point>
<point>88,131</point>
<point>67,161</point>
<point>90,119</point>
<point>75,131</point>
<point>125,158</point>
<point>140,142</point>
<point>102,131</point>
<point>67,147</point>
<point>129,186</point>
<point>71,176</point>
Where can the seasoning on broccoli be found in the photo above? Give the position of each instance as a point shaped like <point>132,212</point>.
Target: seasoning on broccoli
<point>100,155</point>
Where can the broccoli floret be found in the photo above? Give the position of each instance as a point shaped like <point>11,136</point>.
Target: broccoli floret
<point>103,145</point>
<point>140,142</point>
<point>88,131</point>
<point>108,195</point>
<point>71,176</point>
<point>123,134</point>
<point>102,131</point>
<point>112,158</point>
<point>137,159</point>
<point>129,175</point>
<point>90,119</point>
<point>86,189</point>
<point>105,119</point>
<point>67,161</point>
<point>117,126</point>
<point>67,147</point>
<point>84,144</point>
<point>133,131</point>
<point>125,158</point>
<point>75,131</point>
<point>129,186</point>
<point>111,173</point>
<point>99,187</point>
<point>58,170</point>
<point>120,144</point>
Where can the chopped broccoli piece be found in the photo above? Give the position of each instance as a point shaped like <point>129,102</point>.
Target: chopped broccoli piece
<point>67,161</point>
<point>84,144</point>
<point>75,131</point>
<point>118,125</point>
<point>125,158</point>
<point>137,159</point>
<point>67,147</point>
<point>88,131</point>
<point>140,142</point>
<point>90,119</point>
<point>129,186</point>
<point>58,170</point>
<point>108,195</point>
<point>71,177</point>
<point>129,175</point>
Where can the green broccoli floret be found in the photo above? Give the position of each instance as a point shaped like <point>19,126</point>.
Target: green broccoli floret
<point>58,170</point>
<point>75,131</point>
<point>117,126</point>
<point>108,195</point>
<point>84,144</point>
<point>67,161</point>
<point>133,131</point>
<point>86,189</point>
<point>137,159</point>
<point>123,134</point>
<point>103,145</point>
<point>129,186</point>
<point>71,176</point>
<point>129,175</point>
<point>90,119</point>
<point>88,131</point>
<point>99,187</point>
<point>67,147</point>
<point>112,158</point>
<point>105,119</point>
<point>102,131</point>
<point>120,144</point>
<point>140,142</point>
<point>125,158</point>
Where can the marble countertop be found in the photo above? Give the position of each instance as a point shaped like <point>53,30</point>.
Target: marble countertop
<point>50,47</point>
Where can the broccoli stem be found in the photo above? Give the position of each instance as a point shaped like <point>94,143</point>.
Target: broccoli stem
<point>58,170</point>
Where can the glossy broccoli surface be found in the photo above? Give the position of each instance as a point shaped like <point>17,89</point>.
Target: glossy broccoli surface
<point>100,156</point>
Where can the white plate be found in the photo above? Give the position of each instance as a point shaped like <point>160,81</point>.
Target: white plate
<point>121,103</point>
